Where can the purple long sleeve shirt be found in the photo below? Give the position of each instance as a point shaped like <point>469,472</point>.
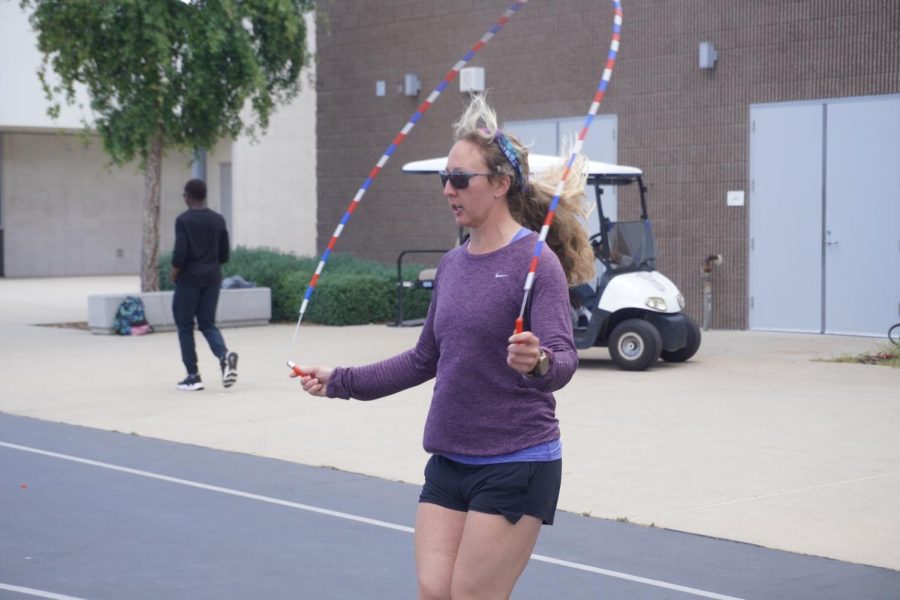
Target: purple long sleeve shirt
<point>480,406</point>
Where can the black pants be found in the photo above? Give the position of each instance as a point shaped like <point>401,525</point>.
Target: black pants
<point>191,302</point>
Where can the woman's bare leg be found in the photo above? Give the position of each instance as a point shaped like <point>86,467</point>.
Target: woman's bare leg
<point>492,554</point>
<point>438,532</point>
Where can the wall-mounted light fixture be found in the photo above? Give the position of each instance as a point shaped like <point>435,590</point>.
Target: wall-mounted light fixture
<point>411,84</point>
<point>471,80</point>
<point>409,87</point>
<point>708,55</point>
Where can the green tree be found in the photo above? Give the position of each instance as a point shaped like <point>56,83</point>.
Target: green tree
<point>170,74</point>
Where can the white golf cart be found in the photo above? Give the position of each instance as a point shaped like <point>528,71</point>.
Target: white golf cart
<point>632,309</point>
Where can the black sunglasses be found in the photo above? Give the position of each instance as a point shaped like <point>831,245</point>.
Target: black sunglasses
<point>458,179</point>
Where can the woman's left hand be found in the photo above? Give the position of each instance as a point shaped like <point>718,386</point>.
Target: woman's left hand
<point>523,352</point>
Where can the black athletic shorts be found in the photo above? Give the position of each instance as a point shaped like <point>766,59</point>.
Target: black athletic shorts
<point>508,489</point>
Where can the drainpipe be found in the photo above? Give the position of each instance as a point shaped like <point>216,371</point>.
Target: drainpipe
<point>706,276</point>
<point>198,164</point>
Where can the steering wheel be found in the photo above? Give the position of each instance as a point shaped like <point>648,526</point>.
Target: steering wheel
<point>596,242</point>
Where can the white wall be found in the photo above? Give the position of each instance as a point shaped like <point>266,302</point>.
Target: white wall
<point>274,179</point>
<point>66,213</point>
<point>22,99</point>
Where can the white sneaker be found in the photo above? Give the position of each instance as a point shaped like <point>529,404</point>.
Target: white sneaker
<point>229,369</point>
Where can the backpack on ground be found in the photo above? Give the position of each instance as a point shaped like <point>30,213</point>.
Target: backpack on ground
<point>130,318</point>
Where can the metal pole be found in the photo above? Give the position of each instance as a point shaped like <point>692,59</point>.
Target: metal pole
<point>198,164</point>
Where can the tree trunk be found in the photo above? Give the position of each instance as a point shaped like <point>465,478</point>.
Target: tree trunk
<point>150,239</point>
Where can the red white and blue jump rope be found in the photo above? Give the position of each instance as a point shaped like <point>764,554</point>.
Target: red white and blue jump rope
<point>592,112</point>
<point>448,78</point>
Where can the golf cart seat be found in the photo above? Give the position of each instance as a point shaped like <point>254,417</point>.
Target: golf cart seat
<point>423,281</point>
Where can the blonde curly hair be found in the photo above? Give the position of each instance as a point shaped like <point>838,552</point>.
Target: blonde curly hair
<point>529,198</point>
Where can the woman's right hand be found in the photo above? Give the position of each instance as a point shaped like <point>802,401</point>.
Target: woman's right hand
<point>315,379</point>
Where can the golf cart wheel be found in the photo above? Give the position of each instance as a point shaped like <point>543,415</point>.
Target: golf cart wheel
<point>634,345</point>
<point>690,349</point>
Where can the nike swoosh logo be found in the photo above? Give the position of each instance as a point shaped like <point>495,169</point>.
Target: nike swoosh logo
<point>498,275</point>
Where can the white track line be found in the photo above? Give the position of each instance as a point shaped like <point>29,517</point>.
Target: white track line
<point>356,518</point>
<point>34,592</point>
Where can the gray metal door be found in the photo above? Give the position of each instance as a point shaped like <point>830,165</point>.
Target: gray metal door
<point>600,144</point>
<point>550,136</point>
<point>540,136</point>
<point>862,216</point>
<point>786,217</point>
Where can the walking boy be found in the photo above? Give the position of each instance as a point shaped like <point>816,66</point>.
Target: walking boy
<point>201,246</point>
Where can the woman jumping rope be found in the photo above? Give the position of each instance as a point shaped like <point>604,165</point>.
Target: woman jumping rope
<point>494,475</point>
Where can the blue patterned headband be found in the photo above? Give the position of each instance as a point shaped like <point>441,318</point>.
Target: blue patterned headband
<point>511,155</point>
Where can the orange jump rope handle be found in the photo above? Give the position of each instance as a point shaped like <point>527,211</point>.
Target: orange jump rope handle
<point>520,325</point>
<point>292,366</point>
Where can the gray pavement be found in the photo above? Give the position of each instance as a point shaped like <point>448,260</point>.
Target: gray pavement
<point>101,515</point>
<point>754,440</point>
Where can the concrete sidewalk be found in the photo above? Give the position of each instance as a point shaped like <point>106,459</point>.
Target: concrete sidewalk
<point>752,440</point>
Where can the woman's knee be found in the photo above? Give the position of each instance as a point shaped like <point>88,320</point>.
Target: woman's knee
<point>464,588</point>
<point>434,588</point>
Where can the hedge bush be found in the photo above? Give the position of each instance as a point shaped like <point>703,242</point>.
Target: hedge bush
<point>351,291</point>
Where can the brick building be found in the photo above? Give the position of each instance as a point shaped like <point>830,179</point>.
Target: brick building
<point>804,96</point>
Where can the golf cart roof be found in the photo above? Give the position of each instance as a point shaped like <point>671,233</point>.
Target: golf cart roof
<point>598,172</point>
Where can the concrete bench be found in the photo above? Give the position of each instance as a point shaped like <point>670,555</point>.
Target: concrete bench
<point>238,307</point>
